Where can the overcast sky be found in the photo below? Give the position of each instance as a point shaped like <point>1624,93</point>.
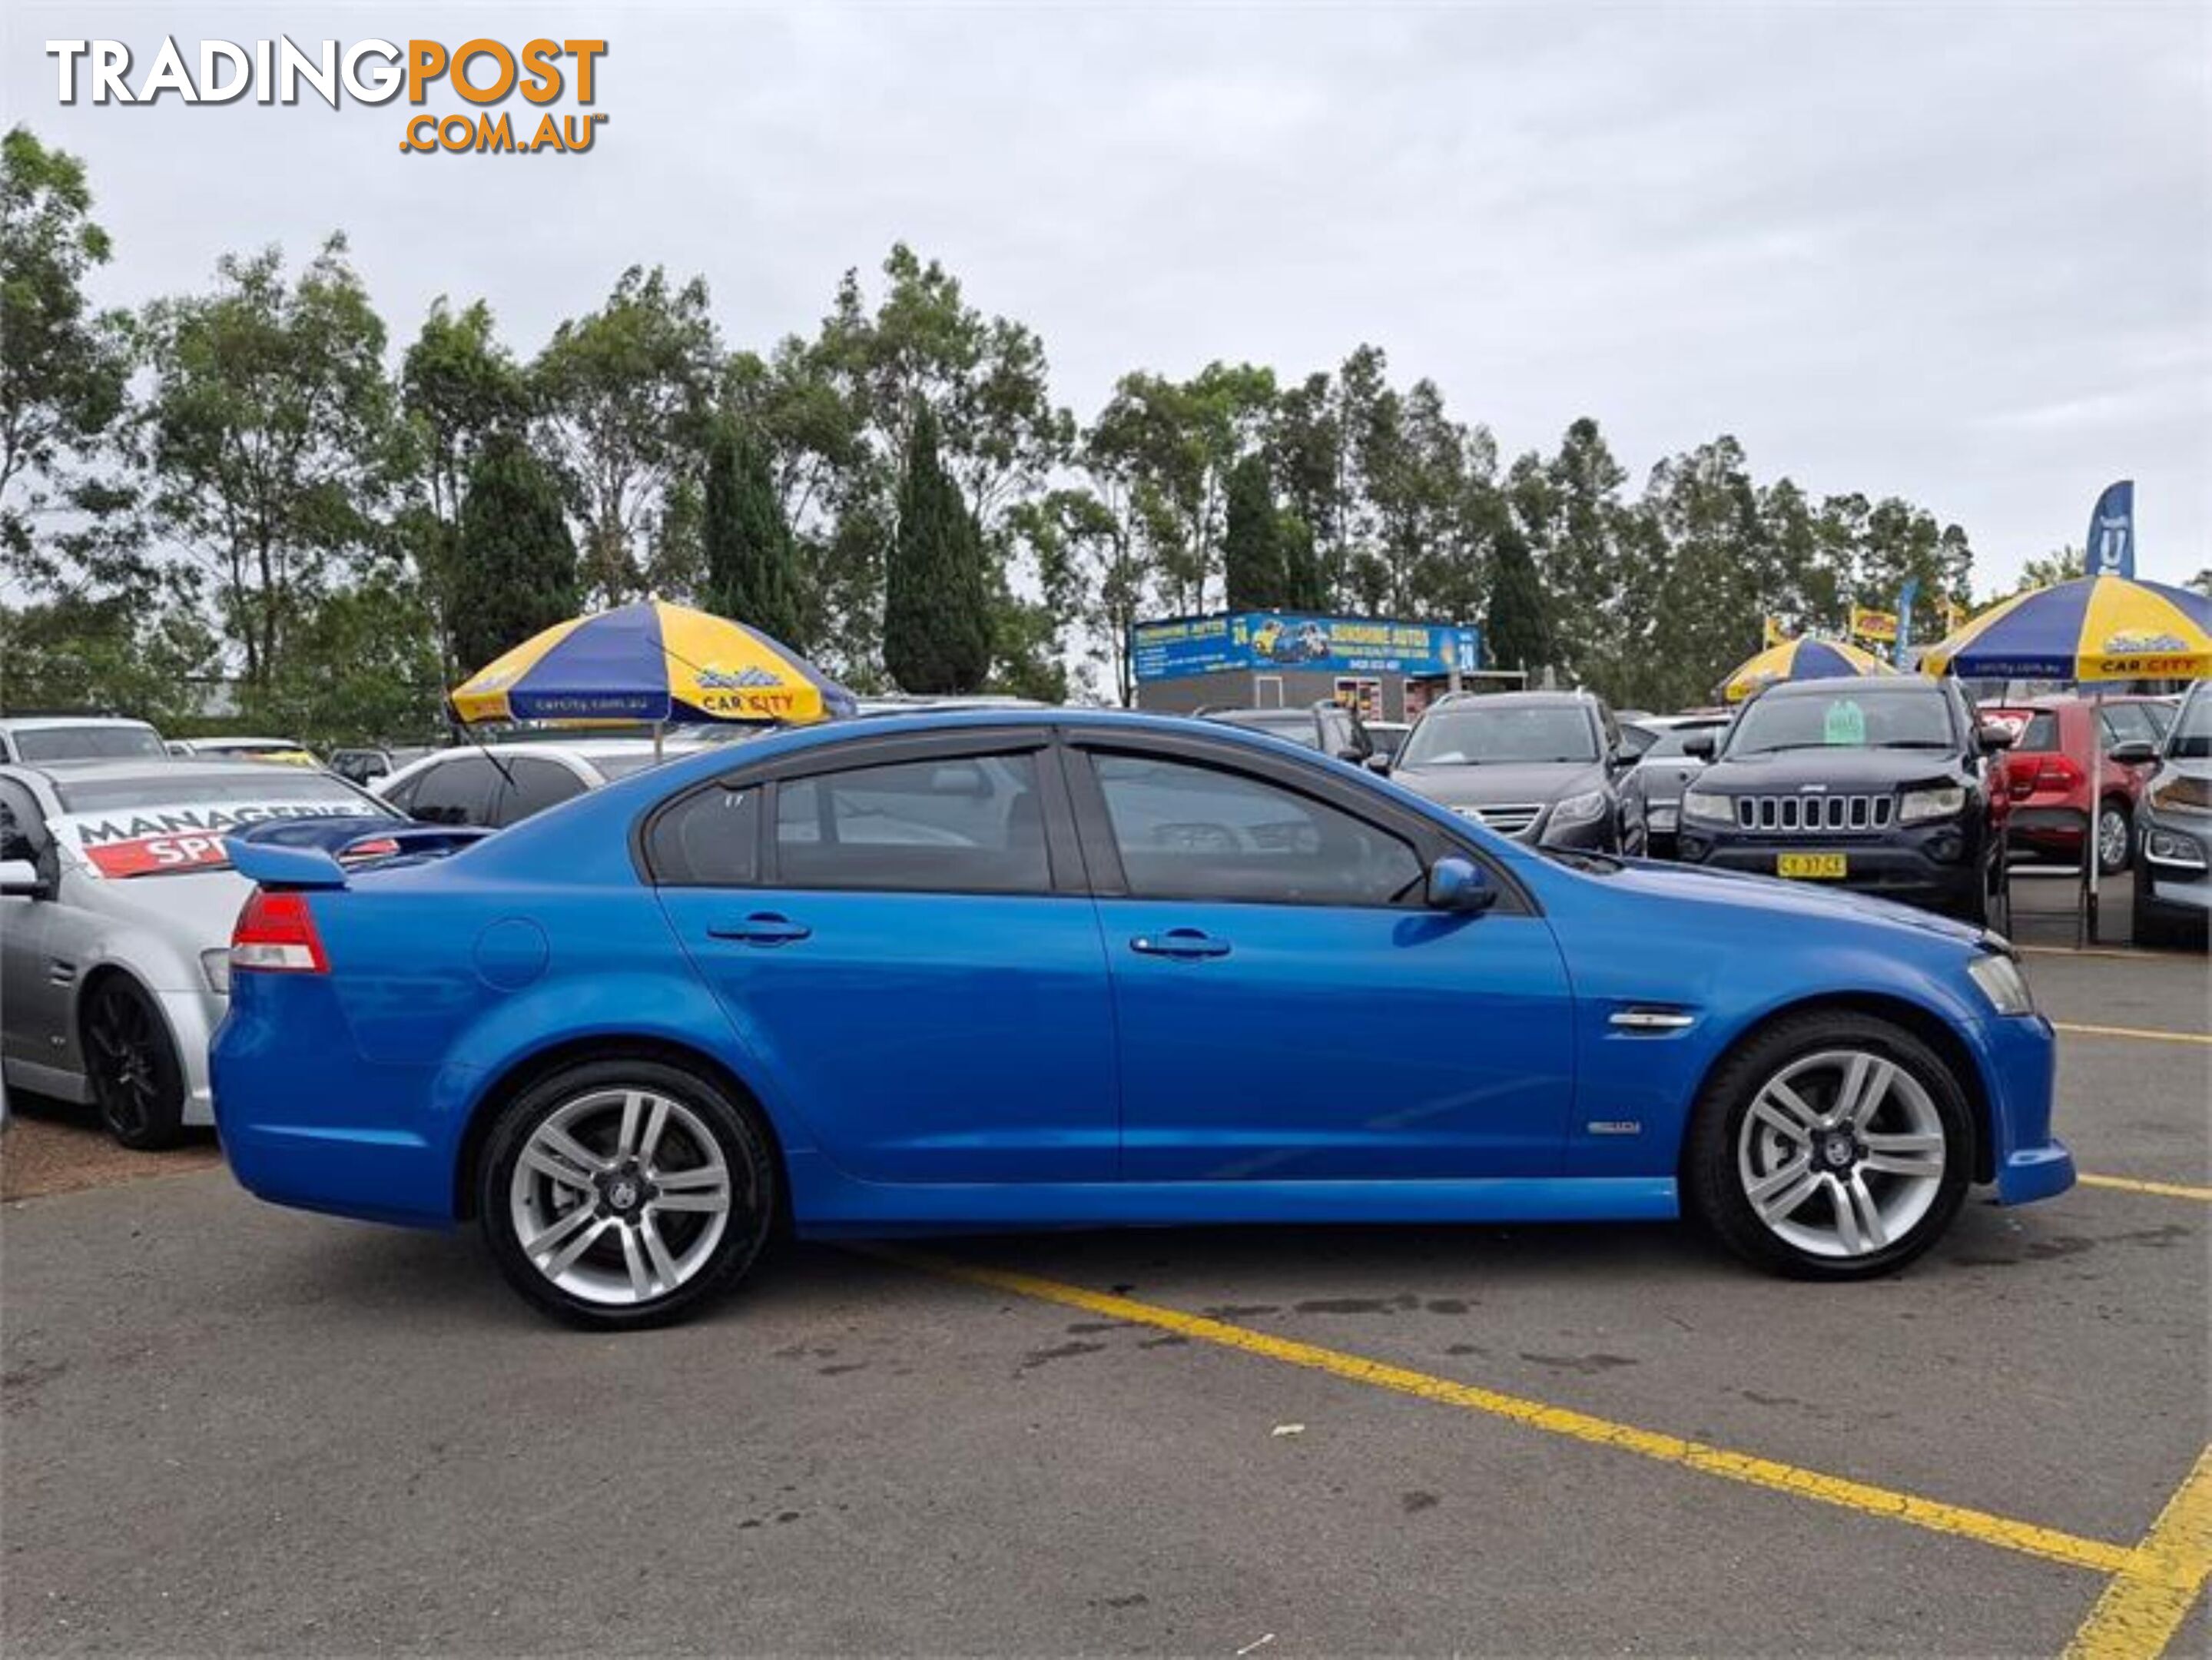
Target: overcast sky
<point>1961,253</point>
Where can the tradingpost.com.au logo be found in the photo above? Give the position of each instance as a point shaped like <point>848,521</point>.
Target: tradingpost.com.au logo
<point>483,73</point>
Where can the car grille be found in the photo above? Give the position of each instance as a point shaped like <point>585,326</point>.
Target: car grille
<point>1513,820</point>
<point>1814,815</point>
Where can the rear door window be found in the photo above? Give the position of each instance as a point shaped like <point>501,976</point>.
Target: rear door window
<point>532,785</point>
<point>964,824</point>
<point>456,792</point>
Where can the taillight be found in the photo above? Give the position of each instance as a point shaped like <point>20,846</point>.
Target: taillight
<point>276,934</point>
<point>2055,772</point>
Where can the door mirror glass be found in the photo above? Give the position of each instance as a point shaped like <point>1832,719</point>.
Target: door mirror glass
<point>1459,885</point>
<point>20,880</point>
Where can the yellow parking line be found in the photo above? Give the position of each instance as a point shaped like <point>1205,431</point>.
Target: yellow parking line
<point>2145,1604</point>
<point>2163,1190</point>
<point>2141,1034</point>
<point>2003,1532</point>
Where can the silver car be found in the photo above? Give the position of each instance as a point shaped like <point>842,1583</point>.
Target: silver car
<point>117,902</point>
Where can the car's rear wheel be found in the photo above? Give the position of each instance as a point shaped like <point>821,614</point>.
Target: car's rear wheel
<point>624,1193</point>
<point>1833,1146</point>
<point>137,1081</point>
<point>2115,836</point>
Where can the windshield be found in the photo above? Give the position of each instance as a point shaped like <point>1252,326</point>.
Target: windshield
<point>83,743</point>
<point>1668,745</point>
<point>2191,737</point>
<point>1297,725</point>
<point>162,824</point>
<point>1844,719</point>
<point>1477,737</point>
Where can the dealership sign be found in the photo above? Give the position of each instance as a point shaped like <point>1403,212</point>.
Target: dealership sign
<point>149,840</point>
<point>1276,640</point>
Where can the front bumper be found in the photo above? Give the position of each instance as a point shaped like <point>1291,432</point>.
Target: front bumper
<point>2019,1058</point>
<point>193,1017</point>
<point>2168,886</point>
<point>1940,864</point>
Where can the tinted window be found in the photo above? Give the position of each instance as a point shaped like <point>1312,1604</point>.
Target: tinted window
<point>1468,735</point>
<point>2128,723</point>
<point>22,827</point>
<point>1191,832</point>
<point>975,825</point>
<point>532,786</point>
<point>77,742</point>
<point>2039,735</point>
<point>456,792</point>
<point>709,839</point>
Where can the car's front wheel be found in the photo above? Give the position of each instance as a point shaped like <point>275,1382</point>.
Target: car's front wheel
<point>624,1193</point>
<point>1833,1146</point>
<point>137,1079</point>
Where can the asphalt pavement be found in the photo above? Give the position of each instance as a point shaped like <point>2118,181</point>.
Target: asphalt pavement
<point>225,1426</point>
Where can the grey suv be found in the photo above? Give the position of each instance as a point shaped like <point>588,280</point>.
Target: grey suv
<point>1538,766</point>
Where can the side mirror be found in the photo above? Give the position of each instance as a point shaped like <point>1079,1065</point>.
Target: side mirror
<point>1458,884</point>
<point>1700,744</point>
<point>2135,752</point>
<point>20,880</point>
<point>1377,762</point>
<point>1991,738</point>
<point>1353,753</point>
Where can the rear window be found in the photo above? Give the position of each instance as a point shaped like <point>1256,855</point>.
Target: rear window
<point>87,742</point>
<point>2041,733</point>
<point>154,827</point>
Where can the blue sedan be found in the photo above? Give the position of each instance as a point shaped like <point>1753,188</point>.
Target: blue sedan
<point>1036,969</point>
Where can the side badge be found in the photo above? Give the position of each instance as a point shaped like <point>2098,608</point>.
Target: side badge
<point>1616,1127</point>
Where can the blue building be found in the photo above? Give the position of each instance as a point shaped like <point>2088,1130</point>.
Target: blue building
<point>1385,668</point>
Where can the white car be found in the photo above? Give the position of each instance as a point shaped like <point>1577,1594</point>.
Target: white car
<point>117,901</point>
<point>497,785</point>
<point>36,737</point>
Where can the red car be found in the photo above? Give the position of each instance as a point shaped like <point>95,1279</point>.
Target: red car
<point>2047,772</point>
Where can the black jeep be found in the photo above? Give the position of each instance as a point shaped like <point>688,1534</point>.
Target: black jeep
<point>1877,784</point>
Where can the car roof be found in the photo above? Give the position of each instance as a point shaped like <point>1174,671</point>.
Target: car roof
<point>122,768</point>
<point>48,722</point>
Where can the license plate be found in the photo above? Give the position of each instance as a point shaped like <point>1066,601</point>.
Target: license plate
<point>1812,866</point>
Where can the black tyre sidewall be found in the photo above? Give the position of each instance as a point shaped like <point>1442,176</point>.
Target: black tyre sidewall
<point>1712,1193</point>
<point>165,1123</point>
<point>735,1127</point>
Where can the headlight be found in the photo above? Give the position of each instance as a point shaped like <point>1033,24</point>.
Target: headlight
<point>1580,809</point>
<point>2165,847</point>
<point>2183,795</point>
<point>1709,807</point>
<point>2000,982</point>
<point>215,964</point>
<point>1919,806</point>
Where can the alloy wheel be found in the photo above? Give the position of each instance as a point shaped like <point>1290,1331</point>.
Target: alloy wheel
<point>1842,1153</point>
<point>620,1196</point>
<point>2112,839</point>
<point>125,1066</point>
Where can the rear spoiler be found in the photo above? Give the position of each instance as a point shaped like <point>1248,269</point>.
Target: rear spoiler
<point>317,853</point>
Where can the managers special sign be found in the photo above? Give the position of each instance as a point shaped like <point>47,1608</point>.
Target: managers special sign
<point>1272,639</point>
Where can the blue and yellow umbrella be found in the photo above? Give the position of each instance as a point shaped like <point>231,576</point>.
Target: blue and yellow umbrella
<point>2094,628</point>
<point>650,661</point>
<point>1805,659</point>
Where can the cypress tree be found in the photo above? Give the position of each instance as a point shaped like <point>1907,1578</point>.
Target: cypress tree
<point>1519,632</point>
<point>936,610</point>
<point>514,572</point>
<point>1251,542</point>
<point>752,568</point>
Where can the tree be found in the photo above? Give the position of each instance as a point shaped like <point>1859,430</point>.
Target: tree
<point>273,439</point>
<point>457,387</point>
<point>1253,574</point>
<point>751,576</point>
<point>1305,586</point>
<point>623,394</point>
<point>2062,565</point>
<point>1093,574</point>
<point>515,569</point>
<point>64,369</point>
<point>937,618</point>
<point>1519,632</point>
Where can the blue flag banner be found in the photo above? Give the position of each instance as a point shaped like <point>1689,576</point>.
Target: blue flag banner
<point>1905,596</point>
<point>2111,548</point>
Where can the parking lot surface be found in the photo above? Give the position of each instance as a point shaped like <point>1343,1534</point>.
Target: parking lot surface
<point>228,1426</point>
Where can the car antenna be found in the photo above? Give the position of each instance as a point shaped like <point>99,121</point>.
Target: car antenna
<point>452,718</point>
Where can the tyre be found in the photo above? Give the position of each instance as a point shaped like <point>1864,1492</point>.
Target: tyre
<point>2116,832</point>
<point>137,1081</point>
<point>624,1193</point>
<point>2151,929</point>
<point>1833,1146</point>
